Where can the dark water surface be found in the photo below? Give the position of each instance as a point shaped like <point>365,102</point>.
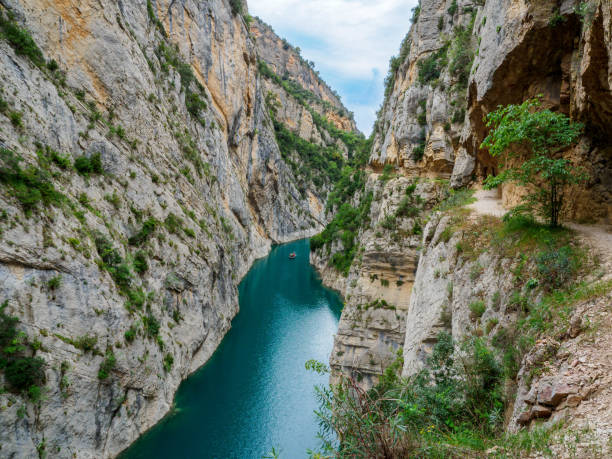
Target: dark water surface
<point>254,392</point>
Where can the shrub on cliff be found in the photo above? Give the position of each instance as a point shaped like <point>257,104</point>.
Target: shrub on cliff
<point>237,7</point>
<point>530,143</point>
<point>21,40</point>
<point>450,406</point>
<point>30,186</point>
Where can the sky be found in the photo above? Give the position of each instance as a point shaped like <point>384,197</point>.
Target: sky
<point>350,42</point>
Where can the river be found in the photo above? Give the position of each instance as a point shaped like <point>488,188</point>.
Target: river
<point>254,393</point>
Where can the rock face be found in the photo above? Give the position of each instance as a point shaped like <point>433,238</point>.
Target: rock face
<point>463,58</point>
<point>286,61</point>
<point>377,288</point>
<point>460,60</point>
<point>122,269</point>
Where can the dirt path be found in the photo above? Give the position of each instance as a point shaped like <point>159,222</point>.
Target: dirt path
<point>598,237</point>
<point>487,202</point>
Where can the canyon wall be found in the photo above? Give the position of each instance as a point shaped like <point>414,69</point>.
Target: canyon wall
<point>140,176</point>
<point>407,283</point>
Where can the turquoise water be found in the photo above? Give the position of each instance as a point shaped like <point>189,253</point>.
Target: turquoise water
<point>254,392</point>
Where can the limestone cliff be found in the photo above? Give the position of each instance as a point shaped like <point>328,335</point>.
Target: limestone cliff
<point>459,61</point>
<point>139,177</point>
<point>463,58</point>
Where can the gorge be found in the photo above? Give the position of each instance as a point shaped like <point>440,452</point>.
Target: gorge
<point>152,151</point>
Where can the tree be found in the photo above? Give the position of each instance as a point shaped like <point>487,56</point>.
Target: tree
<point>531,142</point>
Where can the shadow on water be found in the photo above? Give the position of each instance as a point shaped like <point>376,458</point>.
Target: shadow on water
<point>254,392</point>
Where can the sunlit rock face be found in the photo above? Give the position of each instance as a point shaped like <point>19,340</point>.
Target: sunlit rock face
<point>168,94</point>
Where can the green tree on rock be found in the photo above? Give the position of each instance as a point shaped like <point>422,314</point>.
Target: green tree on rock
<point>530,142</point>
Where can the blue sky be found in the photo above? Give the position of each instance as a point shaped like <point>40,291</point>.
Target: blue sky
<point>350,42</point>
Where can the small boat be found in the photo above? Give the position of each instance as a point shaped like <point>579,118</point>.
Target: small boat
<point>292,255</point>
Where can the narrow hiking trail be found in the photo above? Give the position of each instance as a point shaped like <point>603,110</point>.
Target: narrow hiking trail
<point>598,237</point>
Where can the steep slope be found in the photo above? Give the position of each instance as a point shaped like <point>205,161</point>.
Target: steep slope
<point>139,177</point>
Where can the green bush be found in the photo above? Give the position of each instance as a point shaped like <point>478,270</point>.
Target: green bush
<point>147,230</point>
<point>130,334</point>
<point>194,104</point>
<point>16,118</point>
<point>319,165</point>
<point>477,309</point>
<point>20,40</point>
<point>25,372</point>
<point>107,365</point>
<point>140,262</point>
<point>407,208</point>
<point>136,298</point>
<point>452,405</point>
<point>54,282</point>
<point>87,343</point>
<point>430,67</point>
<point>168,362</point>
<point>389,222</point>
<point>30,186</point>
<point>461,55</point>
<point>89,165</point>
<point>344,226</point>
<point>151,325</point>
<point>237,7</point>
<point>419,150</point>
<point>47,155</point>
<point>173,223</point>
<point>557,266</point>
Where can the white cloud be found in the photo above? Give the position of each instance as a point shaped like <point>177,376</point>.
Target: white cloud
<point>350,42</point>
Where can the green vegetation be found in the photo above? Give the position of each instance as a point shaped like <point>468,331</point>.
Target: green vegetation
<point>344,227</point>
<point>169,56</point>
<point>131,332</point>
<point>532,142</point>
<point>151,325</point>
<point>419,151</point>
<point>29,186</point>
<point>461,55</point>
<point>48,156</point>
<point>452,406</point>
<point>237,7</point>
<point>173,223</point>
<point>20,40</point>
<point>395,63</point>
<point>23,372</point>
<point>145,233</point>
<point>297,91</point>
<point>377,304</point>
<point>140,262</point>
<point>319,165</point>
<point>86,165</point>
<point>477,309</point>
<point>54,282</point>
<point>431,66</point>
<point>168,362</point>
<point>154,19</point>
<point>107,365</point>
<point>351,181</point>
